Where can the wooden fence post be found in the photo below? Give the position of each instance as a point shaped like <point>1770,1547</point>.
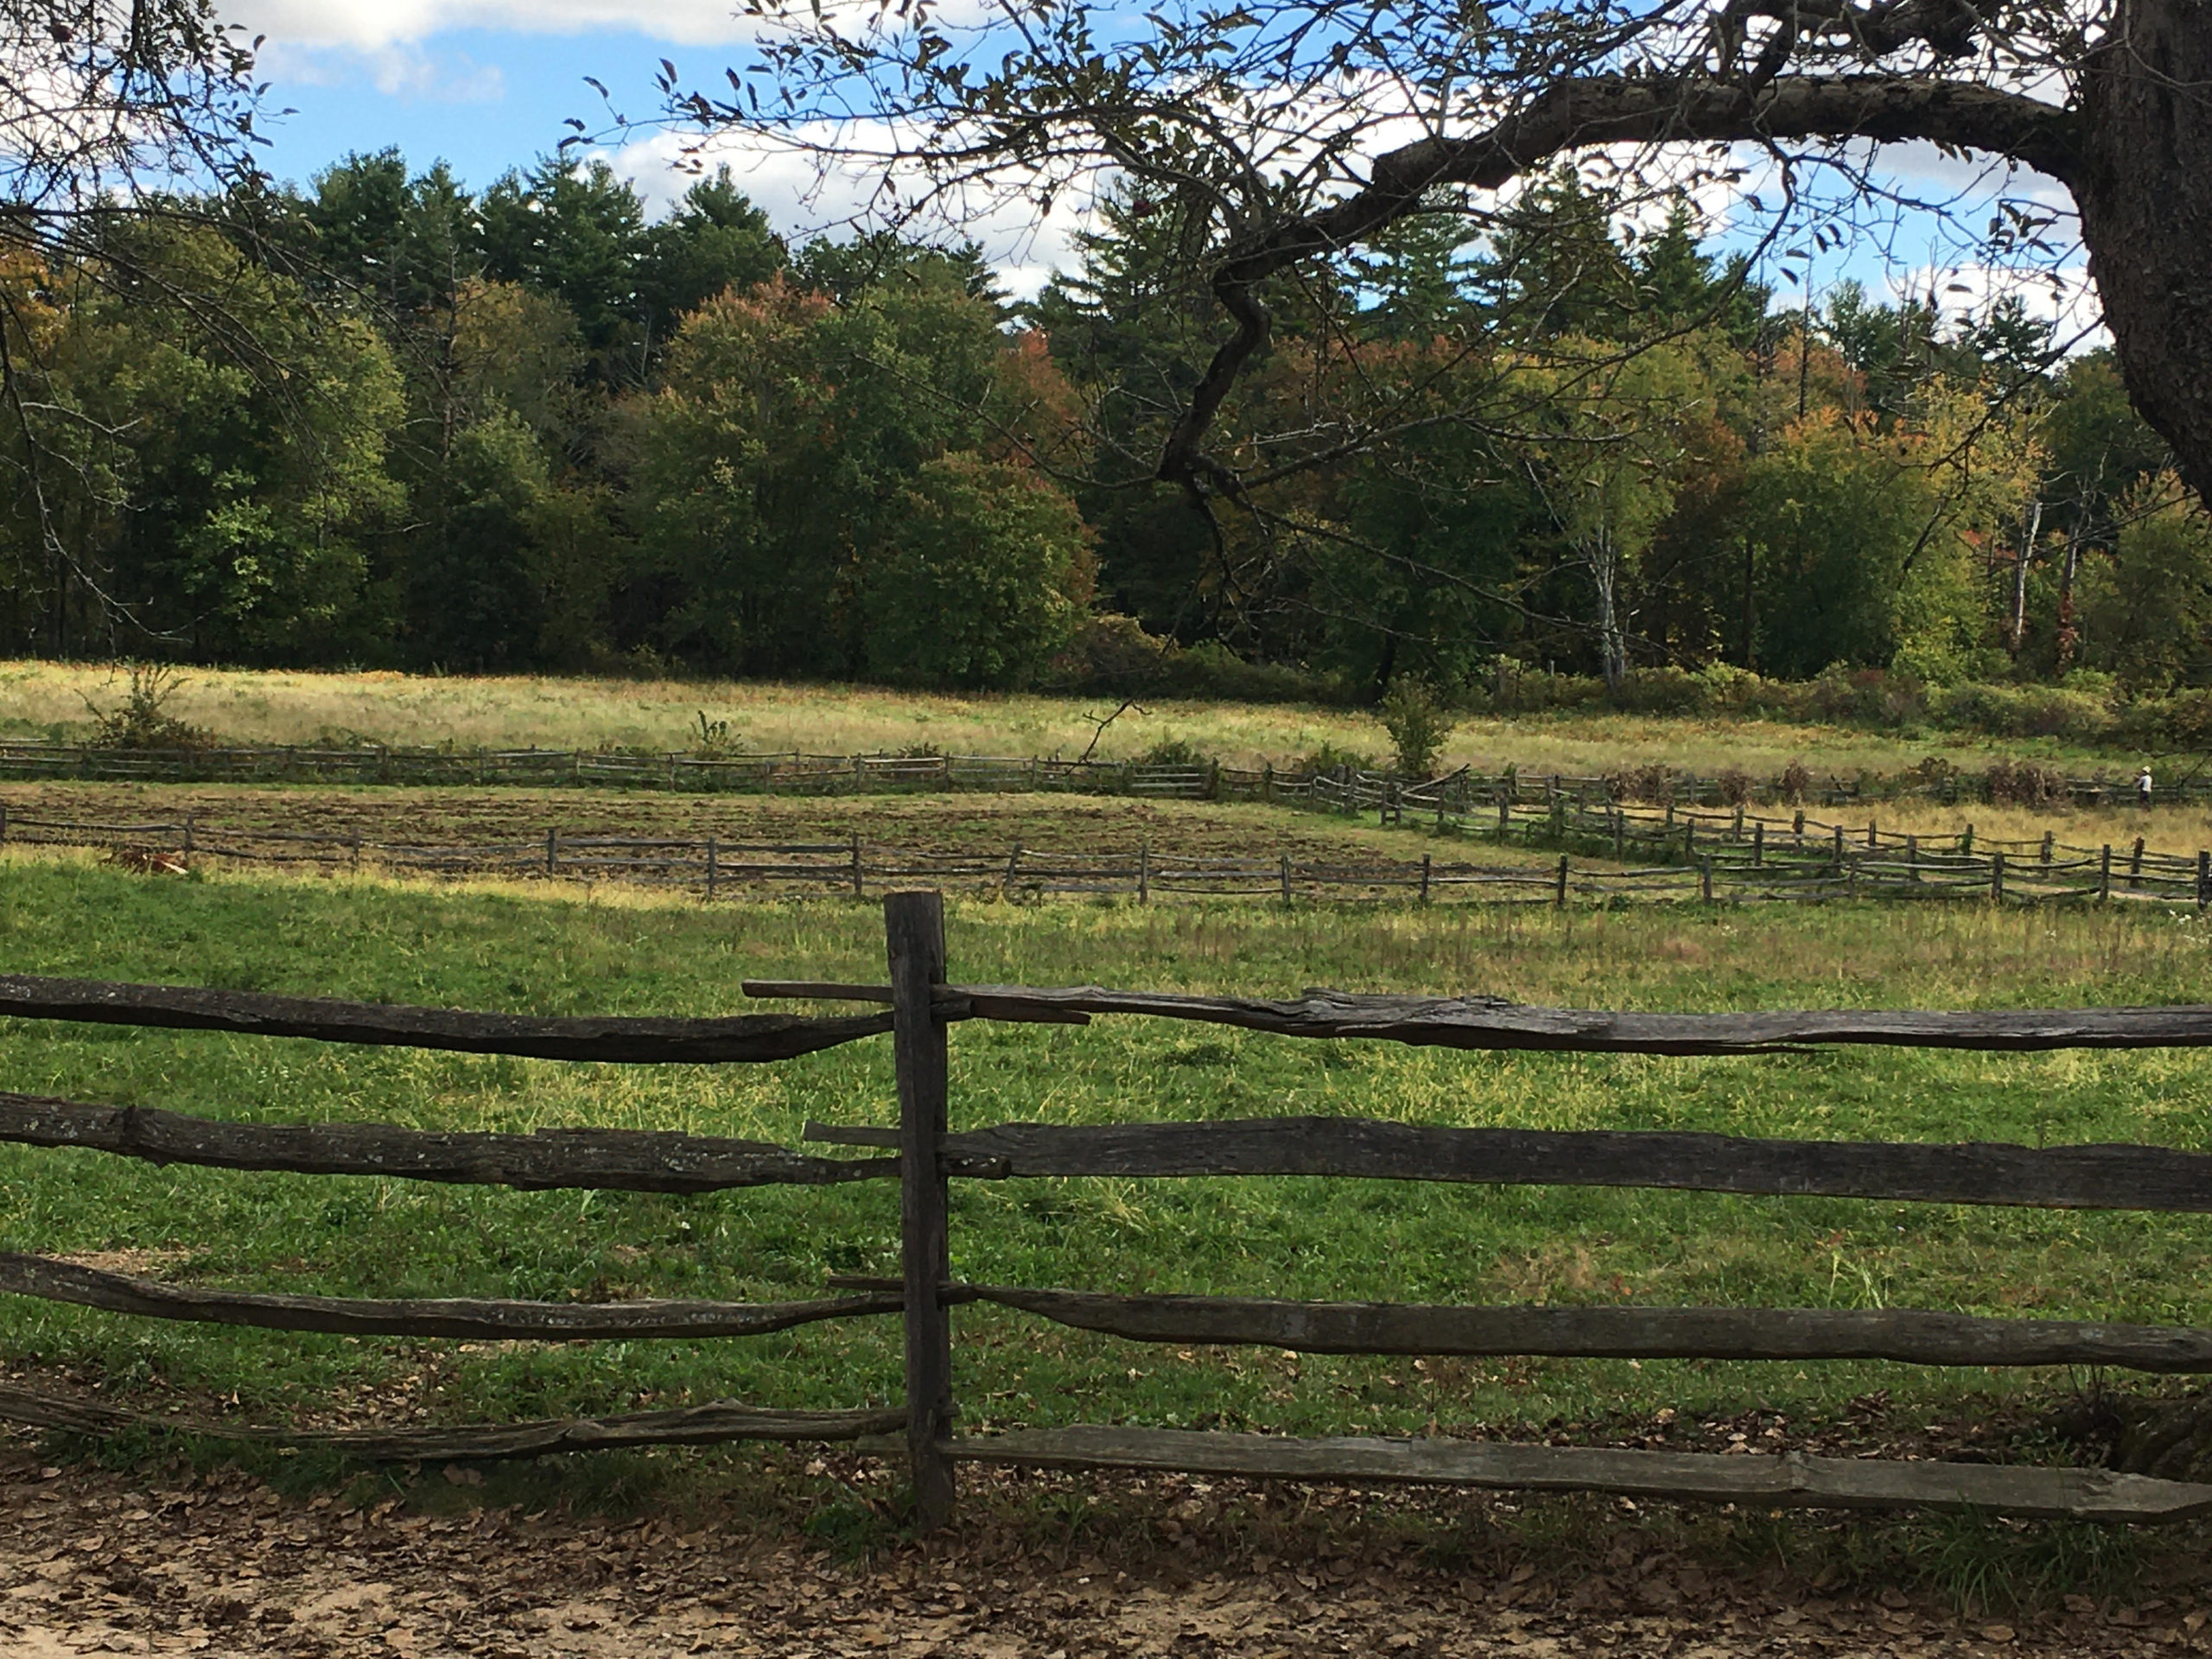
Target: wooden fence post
<point>1144,871</point>
<point>2203,879</point>
<point>2135,865</point>
<point>857,872</point>
<point>1620,833</point>
<point>1012,867</point>
<point>1996,875</point>
<point>1965,842</point>
<point>1838,856</point>
<point>710,869</point>
<point>1285,879</point>
<point>3,823</point>
<point>552,852</point>
<point>1759,843</point>
<point>1559,892</point>
<point>1873,836</point>
<point>1424,878</point>
<point>2048,836</point>
<point>1705,878</point>
<point>1797,828</point>
<point>913,926</point>
<point>2104,875</point>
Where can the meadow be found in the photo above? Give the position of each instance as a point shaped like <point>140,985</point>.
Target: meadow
<point>528,949</point>
<point>52,701</point>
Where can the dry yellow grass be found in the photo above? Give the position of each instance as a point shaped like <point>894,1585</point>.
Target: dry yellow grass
<point>45,699</point>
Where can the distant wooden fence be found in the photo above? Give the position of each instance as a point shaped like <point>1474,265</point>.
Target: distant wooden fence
<point>1671,854</point>
<point>864,774</point>
<point>917,1009</point>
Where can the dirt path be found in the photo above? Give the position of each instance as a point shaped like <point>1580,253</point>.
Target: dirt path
<point>93,1561</point>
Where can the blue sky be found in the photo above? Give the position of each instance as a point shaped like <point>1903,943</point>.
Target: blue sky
<point>486,84</point>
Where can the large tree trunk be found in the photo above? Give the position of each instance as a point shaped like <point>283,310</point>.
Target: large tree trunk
<point>2144,184</point>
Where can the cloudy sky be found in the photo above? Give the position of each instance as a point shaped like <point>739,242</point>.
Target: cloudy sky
<point>487,85</point>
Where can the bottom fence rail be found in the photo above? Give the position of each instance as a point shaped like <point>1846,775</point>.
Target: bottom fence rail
<point>1787,1480</point>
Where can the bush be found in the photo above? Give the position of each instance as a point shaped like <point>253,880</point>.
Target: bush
<point>1791,783</point>
<point>142,720</point>
<point>1418,720</point>
<point>1174,752</point>
<point>1735,786</point>
<point>2025,783</point>
<point>1328,759</point>
<point>1654,784</point>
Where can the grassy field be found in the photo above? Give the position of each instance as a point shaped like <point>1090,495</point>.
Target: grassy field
<point>535,950</point>
<point>46,699</point>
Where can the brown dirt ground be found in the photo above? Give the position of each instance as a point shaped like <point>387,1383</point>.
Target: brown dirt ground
<point>169,1560</point>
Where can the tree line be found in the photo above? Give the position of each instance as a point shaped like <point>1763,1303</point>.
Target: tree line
<point>382,420</point>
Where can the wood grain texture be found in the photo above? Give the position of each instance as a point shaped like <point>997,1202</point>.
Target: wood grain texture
<point>67,1282</point>
<point>692,1425</point>
<point>751,1036</point>
<point>631,1160</point>
<point>1908,1335</point>
<point>1482,1022</point>
<point>914,943</point>
<point>2115,1177</point>
<point>1792,1480</point>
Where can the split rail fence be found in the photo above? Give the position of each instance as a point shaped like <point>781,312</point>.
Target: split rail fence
<point>865,774</point>
<point>917,1008</point>
<point>1646,854</point>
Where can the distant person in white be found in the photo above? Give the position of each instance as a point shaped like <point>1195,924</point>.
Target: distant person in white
<point>2143,787</point>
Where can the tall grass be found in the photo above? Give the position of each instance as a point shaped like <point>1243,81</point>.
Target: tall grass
<point>50,700</point>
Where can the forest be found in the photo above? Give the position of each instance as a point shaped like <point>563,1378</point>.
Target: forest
<point>382,421</point>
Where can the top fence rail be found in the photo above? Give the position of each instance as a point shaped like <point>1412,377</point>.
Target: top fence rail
<point>794,772</point>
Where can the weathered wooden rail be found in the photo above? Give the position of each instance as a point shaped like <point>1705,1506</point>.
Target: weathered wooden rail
<point>926,1156</point>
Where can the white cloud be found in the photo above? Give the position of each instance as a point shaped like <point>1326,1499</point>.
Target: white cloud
<point>371,25</point>
<point>404,71</point>
<point>2067,299</point>
<point>1022,243</point>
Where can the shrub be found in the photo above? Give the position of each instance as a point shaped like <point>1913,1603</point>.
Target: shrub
<point>1112,653</point>
<point>1792,782</point>
<point>1654,784</point>
<point>1327,759</point>
<point>1934,774</point>
<point>143,720</point>
<point>1735,786</point>
<point>1174,752</point>
<point>2025,783</point>
<point>1418,720</point>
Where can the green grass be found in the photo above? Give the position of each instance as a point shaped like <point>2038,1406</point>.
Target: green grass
<point>49,700</point>
<point>558,953</point>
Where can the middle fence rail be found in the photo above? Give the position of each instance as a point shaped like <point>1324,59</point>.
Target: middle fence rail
<point>919,1006</point>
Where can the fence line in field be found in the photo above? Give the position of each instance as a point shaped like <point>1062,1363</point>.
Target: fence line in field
<point>796,773</point>
<point>926,1157</point>
<point>1646,854</point>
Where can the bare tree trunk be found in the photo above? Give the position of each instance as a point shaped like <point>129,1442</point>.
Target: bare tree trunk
<point>1604,572</point>
<point>2031,528</point>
